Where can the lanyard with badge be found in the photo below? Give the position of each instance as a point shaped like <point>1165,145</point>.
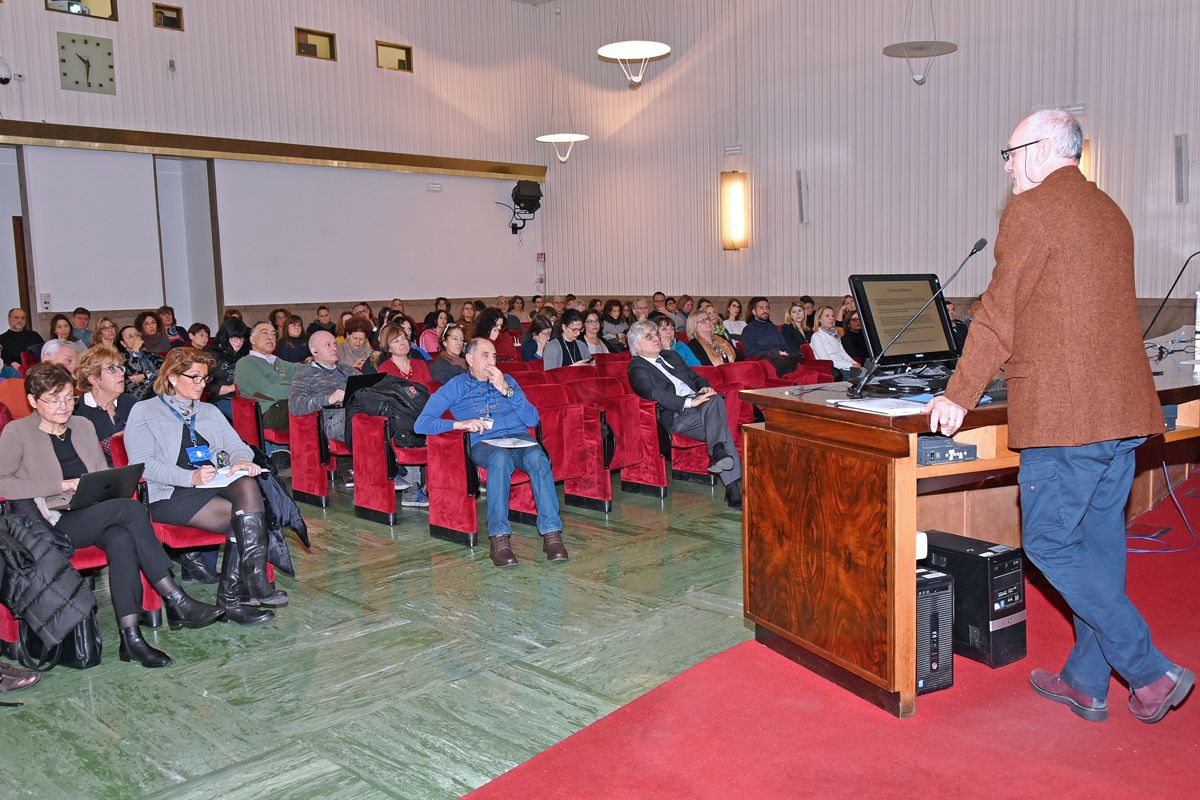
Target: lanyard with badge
<point>197,454</point>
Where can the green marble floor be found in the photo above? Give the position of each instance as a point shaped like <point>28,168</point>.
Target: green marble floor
<point>404,667</point>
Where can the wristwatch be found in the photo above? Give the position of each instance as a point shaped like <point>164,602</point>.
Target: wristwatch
<point>511,391</point>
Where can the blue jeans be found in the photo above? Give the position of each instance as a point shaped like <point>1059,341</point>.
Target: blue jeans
<point>500,463</point>
<point>1073,527</point>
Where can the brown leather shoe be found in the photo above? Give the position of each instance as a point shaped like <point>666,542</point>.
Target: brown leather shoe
<point>1151,702</point>
<point>1052,687</point>
<point>13,678</point>
<point>502,554</point>
<point>552,546</point>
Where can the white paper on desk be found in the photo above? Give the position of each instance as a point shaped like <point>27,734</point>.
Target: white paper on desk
<point>510,441</point>
<point>887,406</point>
<point>223,478</point>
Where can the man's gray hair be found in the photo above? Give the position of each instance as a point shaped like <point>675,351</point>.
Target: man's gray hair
<point>638,331</point>
<point>53,346</point>
<point>473,345</point>
<point>1059,128</point>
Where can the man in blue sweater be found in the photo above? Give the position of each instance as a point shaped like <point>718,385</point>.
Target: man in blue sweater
<point>761,339</point>
<point>491,407</point>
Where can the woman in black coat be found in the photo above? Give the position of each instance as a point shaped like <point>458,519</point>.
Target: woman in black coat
<point>231,343</point>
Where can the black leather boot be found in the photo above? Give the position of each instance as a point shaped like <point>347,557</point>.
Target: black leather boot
<point>184,611</point>
<point>135,648</point>
<point>250,530</point>
<point>192,567</point>
<point>230,590</point>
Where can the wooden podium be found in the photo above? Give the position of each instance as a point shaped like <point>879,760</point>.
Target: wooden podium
<point>832,502</point>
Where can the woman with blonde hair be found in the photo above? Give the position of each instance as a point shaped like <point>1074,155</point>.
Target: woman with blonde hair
<point>105,332</point>
<point>795,328</point>
<point>709,347</point>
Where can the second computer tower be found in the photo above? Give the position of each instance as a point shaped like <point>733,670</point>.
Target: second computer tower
<point>989,596</point>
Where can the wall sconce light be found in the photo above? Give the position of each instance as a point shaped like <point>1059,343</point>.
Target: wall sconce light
<point>1087,161</point>
<point>735,211</point>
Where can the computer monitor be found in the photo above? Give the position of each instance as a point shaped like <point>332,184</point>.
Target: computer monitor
<point>885,305</point>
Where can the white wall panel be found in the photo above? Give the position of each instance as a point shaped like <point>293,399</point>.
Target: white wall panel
<point>93,228</point>
<point>298,234</point>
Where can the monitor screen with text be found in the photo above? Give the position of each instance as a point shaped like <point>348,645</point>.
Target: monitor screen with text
<point>886,303</point>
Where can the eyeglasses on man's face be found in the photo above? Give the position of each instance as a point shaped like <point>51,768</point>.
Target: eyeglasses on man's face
<point>1007,152</point>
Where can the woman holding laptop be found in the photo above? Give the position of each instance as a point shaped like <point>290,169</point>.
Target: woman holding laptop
<point>42,457</point>
<point>182,442</point>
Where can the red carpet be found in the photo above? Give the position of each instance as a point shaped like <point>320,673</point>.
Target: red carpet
<point>748,723</point>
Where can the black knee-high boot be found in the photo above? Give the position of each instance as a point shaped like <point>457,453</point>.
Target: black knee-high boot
<point>184,611</point>
<point>250,531</point>
<point>231,588</point>
<point>135,648</point>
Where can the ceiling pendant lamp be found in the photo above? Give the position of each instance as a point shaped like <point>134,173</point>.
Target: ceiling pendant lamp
<point>919,53</point>
<point>559,139</point>
<point>633,53</point>
<point>564,141</point>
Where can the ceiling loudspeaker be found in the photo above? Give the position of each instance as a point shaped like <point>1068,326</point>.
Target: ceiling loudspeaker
<point>527,196</point>
<point>1181,169</point>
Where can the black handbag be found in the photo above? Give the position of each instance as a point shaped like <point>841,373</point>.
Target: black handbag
<point>80,649</point>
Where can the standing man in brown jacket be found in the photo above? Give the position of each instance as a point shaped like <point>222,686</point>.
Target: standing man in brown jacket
<point>1076,409</point>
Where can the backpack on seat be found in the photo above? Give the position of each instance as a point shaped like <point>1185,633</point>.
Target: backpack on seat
<point>399,400</point>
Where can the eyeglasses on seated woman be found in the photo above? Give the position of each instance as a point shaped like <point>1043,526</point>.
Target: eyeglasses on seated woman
<point>43,456</point>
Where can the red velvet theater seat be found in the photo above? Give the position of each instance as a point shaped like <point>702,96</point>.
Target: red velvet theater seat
<point>606,405</point>
<point>313,459</point>
<point>376,463</point>
<point>453,482</point>
<point>247,421</point>
<point>607,358</point>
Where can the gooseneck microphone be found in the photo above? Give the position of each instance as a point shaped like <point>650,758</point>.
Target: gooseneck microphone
<point>1161,305</point>
<point>856,391</point>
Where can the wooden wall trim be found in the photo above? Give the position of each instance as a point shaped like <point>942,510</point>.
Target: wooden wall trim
<point>44,134</point>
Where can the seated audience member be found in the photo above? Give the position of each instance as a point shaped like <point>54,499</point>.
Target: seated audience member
<point>265,377</point>
<point>536,339</point>
<point>957,327</point>
<point>686,404</point>
<point>762,340</point>
<point>43,456</point>
<point>153,338</point>
<point>854,341</point>
<point>597,305</point>
<point>399,362</point>
<point>278,318</point>
<point>81,325</point>
<point>795,328</point>
<point>60,329</point>
<point>323,322</point>
<point>449,361</point>
<point>677,316</point>
<point>181,440</point>
<point>511,323</point>
<point>639,310</point>
<point>435,328</point>
<point>536,302</point>
<point>466,319</point>
<point>230,345</point>
<point>718,323</point>
<point>810,311</point>
<point>356,351</point>
<point>322,383</point>
<point>441,304</point>
<point>362,310</point>
<point>199,336</point>
<point>486,393</point>
<point>141,366</point>
<point>565,349</point>
<point>591,332</point>
<point>706,345</point>
<point>175,333</point>
<point>490,325</point>
<point>480,307</point>
<point>516,308</point>
<point>613,325</point>
<point>844,310</point>
<point>393,311</point>
<point>827,342</point>
<point>56,351</point>
<point>659,300</point>
<point>18,338</point>
<point>406,325</point>
<point>100,376</point>
<point>230,313</point>
<point>666,334</point>
<point>549,314</point>
<point>559,303</point>
<point>291,345</point>
<point>343,319</point>
<point>733,322</point>
<point>105,332</point>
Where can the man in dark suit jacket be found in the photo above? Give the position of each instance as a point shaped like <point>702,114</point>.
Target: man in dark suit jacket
<point>686,404</point>
<point>1062,312</point>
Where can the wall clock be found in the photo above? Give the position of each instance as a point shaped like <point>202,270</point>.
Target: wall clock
<point>85,63</point>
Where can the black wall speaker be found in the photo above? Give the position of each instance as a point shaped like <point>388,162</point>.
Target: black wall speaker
<point>527,196</point>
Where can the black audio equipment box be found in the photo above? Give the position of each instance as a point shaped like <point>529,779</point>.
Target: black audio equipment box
<point>989,596</point>
<point>935,449</point>
<point>935,618</point>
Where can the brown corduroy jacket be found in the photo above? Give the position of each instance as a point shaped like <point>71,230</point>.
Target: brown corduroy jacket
<point>1061,312</point>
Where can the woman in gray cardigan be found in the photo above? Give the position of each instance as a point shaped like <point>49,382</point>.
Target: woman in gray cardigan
<point>42,457</point>
<point>182,442</point>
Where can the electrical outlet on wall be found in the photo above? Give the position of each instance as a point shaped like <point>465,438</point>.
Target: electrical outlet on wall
<point>44,301</point>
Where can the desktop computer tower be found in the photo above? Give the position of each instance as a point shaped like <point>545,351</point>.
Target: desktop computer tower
<point>935,617</point>
<point>989,596</point>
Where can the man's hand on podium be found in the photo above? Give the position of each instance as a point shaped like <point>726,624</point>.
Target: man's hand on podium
<point>944,414</point>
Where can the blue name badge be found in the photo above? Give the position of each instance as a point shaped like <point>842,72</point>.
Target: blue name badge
<point>199,455</point>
